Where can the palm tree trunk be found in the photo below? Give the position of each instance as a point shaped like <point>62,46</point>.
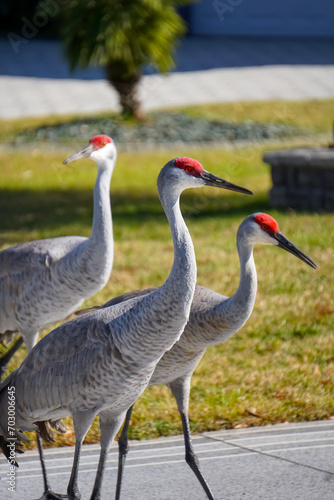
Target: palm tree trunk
<point>127,88</point>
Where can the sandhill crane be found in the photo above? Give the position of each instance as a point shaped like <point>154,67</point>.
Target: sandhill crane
<point>99,363</point>
<point>44,281</point>
<point>213,319</point>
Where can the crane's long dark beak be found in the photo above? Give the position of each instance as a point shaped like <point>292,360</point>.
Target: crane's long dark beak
<point>84,153</point>
<point>287,245</point>
<point>213,180</point>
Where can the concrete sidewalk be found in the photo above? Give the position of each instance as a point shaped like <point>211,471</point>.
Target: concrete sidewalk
<point>278,462</point>
<point>36,81</point>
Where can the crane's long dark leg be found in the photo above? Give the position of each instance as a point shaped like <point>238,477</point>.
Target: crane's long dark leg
<point>191,457</point>
<point>48,493</point>
<point>181,391</point>
<point>4,360</point>
<point>123,449</point>
<point>109,428</point>
<point>81,423</point>
<point>73,492</point>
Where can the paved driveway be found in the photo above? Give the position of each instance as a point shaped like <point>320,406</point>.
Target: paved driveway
<point>35,80</point>
<point>280,462</point>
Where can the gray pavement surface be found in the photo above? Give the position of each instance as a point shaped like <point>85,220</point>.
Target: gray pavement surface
<point>278,462</point>
<point>35,80</point>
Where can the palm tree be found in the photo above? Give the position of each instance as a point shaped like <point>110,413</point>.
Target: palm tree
<point>123,36</point>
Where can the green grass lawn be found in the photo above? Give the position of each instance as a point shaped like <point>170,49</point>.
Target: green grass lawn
<point>280,365</point>
<point>313,115</point>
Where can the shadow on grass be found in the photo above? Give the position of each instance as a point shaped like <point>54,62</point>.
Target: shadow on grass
<point>35,210</point>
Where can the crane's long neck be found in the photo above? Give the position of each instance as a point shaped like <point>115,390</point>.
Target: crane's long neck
<point>161,316</point>
<point>243,299</point>
<point>100,246</point>
<point>182,278</point>
<point>232,313</point>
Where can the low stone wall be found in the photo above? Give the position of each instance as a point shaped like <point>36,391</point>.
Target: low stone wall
<point>302,178</point>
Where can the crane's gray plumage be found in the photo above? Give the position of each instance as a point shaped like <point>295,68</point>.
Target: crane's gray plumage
<point>99,363</point>
<point>213,319</point>
<point>42,282</point>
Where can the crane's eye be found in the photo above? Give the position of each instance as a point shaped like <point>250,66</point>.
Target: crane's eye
<point>103,144</point>
<point>188,169</point>
<point>264,227</point>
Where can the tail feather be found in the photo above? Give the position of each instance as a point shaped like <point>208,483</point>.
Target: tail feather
<point>7,450</point>
<point>58,426</point>
<point>80,312</point>
<point>44,430</point>
<point>116,300</point>
<point>10,439</point>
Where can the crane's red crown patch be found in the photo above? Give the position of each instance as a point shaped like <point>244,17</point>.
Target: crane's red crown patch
<point>267,223</point>
<point>189,165</point>
<point>99,141</point>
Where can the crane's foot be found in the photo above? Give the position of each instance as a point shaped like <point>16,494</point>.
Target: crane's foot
<point>50,495</point>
